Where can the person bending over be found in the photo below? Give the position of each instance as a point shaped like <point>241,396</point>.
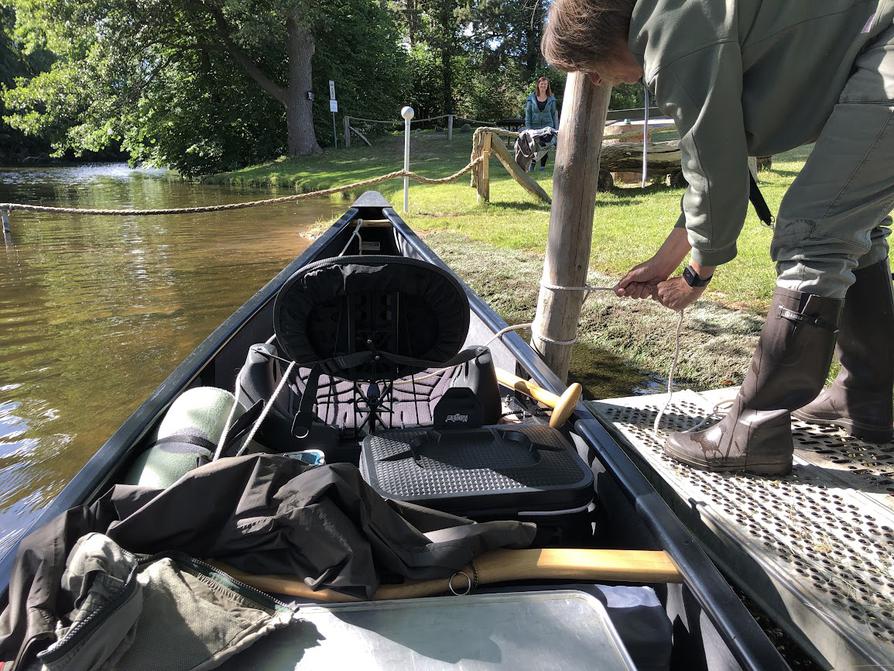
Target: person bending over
<point>757,77</point>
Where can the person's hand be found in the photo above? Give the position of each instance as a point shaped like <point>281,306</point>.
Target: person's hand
<point>676,294</point>
<point>642,281</point>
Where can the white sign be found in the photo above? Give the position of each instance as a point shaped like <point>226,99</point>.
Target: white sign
<point>333,106</point>
<point>331,90</point>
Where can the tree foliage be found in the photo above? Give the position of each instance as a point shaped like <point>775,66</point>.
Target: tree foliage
<point>208,85</point>
<point>201,85</point>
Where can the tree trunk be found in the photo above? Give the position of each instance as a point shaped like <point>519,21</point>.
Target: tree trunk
<point>533,35</point>
<point>447,77</point>
<point>299,110</point>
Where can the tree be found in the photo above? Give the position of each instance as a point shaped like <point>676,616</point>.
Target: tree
<point>13,63</point>
<point>129,68</point>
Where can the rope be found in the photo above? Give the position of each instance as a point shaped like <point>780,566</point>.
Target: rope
<point>382,121</point>
<point>588,289</point>
<point>228,423</point>
<point>251,203</point>
<point>401,122</point>
<point>266,410</point>
<point>483,123</point>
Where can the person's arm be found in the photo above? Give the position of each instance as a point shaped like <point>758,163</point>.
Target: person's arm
<point>555,114</point>
<point>703,93</point>
<point>528,113</point>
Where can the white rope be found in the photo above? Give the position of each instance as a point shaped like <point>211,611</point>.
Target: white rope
<point>588,289</point>
<point>226,429</point>
<point>354,234</point>
<point>670,375</point>
<point>266,410</point>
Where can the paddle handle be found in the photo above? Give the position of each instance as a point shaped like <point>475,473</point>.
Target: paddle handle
<point>499,566</point>
<point>562,406</point>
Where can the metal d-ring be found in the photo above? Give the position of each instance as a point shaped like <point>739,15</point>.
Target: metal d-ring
<point>468,584</point>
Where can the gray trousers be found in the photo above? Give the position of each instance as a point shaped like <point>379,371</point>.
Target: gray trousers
<point>834,218</point>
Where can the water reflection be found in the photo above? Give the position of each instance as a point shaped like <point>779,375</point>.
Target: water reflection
<point>96,311</point>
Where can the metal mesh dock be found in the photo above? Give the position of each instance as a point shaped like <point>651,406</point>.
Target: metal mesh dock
<point>815,549</point>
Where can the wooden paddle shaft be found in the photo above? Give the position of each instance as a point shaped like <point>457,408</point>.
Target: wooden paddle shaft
<point>638,566</point>
<point>562,405</point>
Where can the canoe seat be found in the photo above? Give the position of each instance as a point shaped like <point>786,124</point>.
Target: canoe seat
<point>378,345</point>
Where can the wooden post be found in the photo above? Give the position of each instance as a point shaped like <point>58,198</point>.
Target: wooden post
<point>484,169</point>
<point>575,177</point>
<point>449,128</point>
<point>499,149</point>
<point>347,125</point>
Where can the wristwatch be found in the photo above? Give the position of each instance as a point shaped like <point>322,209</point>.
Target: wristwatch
<point>693,279</point>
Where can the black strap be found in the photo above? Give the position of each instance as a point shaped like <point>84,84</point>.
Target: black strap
<point>188,439</point>
<point>810,320</point>
<point>760,205</point>
<point>304,417</point>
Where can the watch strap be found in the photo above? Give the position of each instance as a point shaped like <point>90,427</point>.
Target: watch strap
<point>693,279</point>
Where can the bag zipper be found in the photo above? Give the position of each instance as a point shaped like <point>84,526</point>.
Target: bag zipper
<point>61,647</point>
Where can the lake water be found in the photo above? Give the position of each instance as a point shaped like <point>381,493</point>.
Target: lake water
<point>96,311</point>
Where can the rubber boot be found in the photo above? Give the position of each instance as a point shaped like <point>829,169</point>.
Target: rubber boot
<point>860,399</point>
<point>787,370</point>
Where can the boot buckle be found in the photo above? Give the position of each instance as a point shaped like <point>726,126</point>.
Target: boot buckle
<point>810,320</point>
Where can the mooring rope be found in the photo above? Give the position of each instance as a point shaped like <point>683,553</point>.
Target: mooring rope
<point>9,207</point>
<point>588,289</point>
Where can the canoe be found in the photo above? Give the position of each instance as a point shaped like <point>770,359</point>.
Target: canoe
<point>707,624</point>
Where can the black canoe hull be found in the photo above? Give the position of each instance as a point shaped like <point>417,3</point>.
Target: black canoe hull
<point>712,628</point>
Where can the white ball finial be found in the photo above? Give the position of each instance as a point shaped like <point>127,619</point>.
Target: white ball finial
<point>407,112</point>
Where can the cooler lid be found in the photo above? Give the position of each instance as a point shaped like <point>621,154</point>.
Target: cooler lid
<point>558,629</point>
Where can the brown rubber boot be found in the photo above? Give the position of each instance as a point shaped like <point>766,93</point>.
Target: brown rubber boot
<point>860,399</point>
<point>787,370</point>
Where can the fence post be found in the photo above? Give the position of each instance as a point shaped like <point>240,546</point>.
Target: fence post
<point>645,137</point>
<point>407,113</point>
<point>449,127</point>
<point>484,169</point>
<point>347,124</point>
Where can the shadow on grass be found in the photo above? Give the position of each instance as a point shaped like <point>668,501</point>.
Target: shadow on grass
<point>520,205</point>
<point>603,373</point>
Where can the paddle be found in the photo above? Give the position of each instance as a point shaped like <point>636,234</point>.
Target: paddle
<point>637,566</point>
<point>562,405</point>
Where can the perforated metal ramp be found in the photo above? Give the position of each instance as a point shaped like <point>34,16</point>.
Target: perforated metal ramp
<point>815,549</point>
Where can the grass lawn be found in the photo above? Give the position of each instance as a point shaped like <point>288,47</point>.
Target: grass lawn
<point>498,248</point>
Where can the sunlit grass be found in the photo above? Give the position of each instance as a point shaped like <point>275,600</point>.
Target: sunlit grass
<point>629,225</point>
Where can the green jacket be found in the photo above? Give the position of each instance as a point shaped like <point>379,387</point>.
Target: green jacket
<point>535,119</point>
<point>745,78</point>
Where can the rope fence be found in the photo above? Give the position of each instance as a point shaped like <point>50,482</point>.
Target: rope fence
<point>6,208</point>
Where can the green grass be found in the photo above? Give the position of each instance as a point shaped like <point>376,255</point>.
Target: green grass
<point>630,223</point>
<point>624,346</point>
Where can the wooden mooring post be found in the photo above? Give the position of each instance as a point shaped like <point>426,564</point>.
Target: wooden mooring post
<point>347,129</point>
<point>575,178</point>
<point>449,128</point>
